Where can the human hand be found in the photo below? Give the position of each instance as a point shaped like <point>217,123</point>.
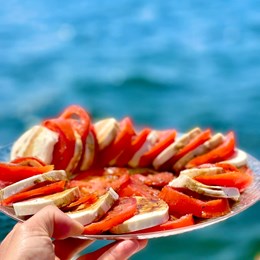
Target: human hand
<point>33,240</point>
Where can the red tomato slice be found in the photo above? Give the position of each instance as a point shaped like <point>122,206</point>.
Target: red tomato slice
<point>100,184</point>
<point>218,154</point>
<point>136,143</point>
<point>83,202</point>
<point>28,161</point>
<point>231,177</point>
<point>157,180</point>
<point>136,188</point>
<point>181,204</point>
<point>10,173</point>
<point>64,148</point>
<point>45,190</point>
<point>80,121</point>
<point>79,118</point>
<point>123,209</point>
<point>123,139</point>
<point>183,221</point>
<point>165,139</point>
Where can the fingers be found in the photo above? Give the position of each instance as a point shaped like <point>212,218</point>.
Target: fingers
<point>67,248</point>
<point>53,222</point>
<point>117,250</point>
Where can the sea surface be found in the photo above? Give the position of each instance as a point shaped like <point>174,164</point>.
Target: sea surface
<point>167,64</point>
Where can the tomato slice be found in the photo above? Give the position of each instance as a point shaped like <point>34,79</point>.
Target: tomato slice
<point>220,153</point>
<point>136,143</point>
<point>82,203</point>
<point>181,204</point>
<point>157,180</point>
<point>80,121</point>
<point>123,209</point>
<point>123,139</point>
<point>231,177</point>
<point>28,161</point>
<point>135,187</point>
<point>100,184</point>
<point>45,190</point>
<point>79,118</point>
<point>173,223</point>
<point>165,139</point>
<point>195,142</point>
<point>64,148</point>
<point>10,173</point>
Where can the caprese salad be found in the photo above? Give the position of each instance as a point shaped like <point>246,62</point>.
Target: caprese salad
<point>114,179</point>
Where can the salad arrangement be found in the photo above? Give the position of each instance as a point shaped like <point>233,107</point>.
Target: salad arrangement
<point>115,179</point>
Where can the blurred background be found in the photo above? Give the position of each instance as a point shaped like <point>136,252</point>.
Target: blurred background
<point>165,64</point>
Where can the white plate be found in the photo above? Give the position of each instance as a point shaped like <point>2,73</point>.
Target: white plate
<point>249,197</point>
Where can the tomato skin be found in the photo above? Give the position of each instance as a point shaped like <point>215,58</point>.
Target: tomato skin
<point>136,143</point>
<point>123,139</point>
<point>183,221</point>
<point>10,173</point>
<point>220,153</point>
<point>64,148</point>
<point>45,190</point>
<point>166,138</point>
<point>181,204</point>
<point>123,209</point>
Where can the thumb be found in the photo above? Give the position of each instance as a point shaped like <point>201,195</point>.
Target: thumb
<point>54,223</point>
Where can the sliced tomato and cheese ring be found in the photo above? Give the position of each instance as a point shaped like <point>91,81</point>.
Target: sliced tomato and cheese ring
<point>212,143</point>
<point>32,206</point>
<point>90,151</point>
<point>150,212</point>
<point>175,147</point>
<point>106,131</point>
<point>51,176</point>
<point>150,141</point>
<point>38,141</point>
<point>96,210</point>
<point>109,154</point>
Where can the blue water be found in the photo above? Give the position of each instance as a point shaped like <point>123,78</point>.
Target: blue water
<point>164,63</point>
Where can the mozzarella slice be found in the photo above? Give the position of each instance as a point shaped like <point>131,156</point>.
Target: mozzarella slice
<point>150,213</point>
<point>106,131</point>
<point>26,183</point>
<point>77,153</point>
<point>89,153</point>
<point>213,142</point>
<point>38,141</point>
<point>60,199</point>
<point>96,210</point>
<point>238,159</point>
<point>172,149</point>
<point>150,141</point>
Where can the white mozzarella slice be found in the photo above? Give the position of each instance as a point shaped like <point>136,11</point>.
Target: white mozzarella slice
<point>150,141</point>
<point>89,153</point>
<point>150,213</point>
<point>60,199</point>
<point>239,159</point>
<point>96,210</point>
<point>29,182</point>
<point>172,149</point>
<point>38,141</point>
<point>213,142</point>
<point>106,131</point>
<point>77,153</point>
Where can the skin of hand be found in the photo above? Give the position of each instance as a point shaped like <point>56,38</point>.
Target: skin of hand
<point>48,235</point>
